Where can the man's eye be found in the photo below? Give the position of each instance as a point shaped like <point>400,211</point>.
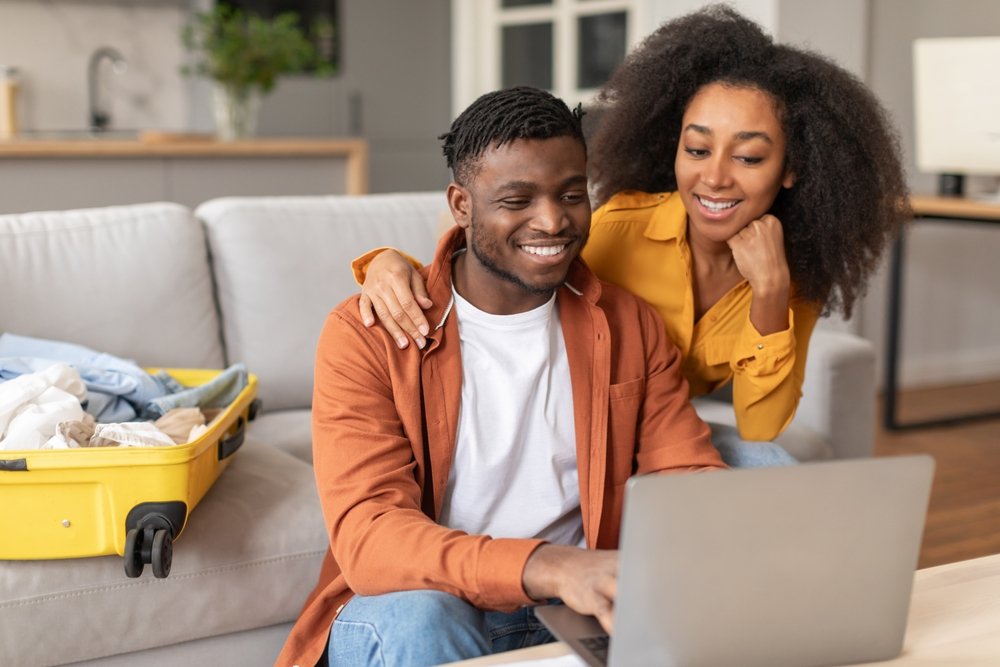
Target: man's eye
<point>514,203</point>
<point>574,197</point>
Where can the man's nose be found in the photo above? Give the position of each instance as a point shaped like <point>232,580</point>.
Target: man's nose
<point>551,217</point>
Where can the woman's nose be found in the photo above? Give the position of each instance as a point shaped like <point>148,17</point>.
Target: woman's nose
<point>716,174</point>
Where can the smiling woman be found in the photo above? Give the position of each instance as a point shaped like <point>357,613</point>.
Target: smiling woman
<point>745,187</point>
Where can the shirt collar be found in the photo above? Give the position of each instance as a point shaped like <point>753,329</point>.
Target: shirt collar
<point>669,220</point>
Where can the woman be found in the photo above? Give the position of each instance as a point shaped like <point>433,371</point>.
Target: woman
<point>745,188</point>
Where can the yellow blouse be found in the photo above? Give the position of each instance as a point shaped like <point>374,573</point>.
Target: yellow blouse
<point>639,242</point>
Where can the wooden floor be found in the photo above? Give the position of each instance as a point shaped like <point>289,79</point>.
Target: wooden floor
<point>963,519</point>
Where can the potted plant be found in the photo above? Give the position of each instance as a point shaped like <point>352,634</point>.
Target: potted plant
<point>243,54</point>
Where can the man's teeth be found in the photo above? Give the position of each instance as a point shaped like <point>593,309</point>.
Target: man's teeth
<point>543,250</point>
<point>715,207</point>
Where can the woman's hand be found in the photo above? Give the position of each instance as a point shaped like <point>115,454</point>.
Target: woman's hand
<point>759,252</point>
<point>396,293</point>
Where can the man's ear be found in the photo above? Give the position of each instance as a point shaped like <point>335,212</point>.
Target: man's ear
<point>460,203</point>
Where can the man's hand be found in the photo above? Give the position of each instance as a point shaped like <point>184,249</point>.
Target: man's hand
<point>759,253</point>
<point>395,291</point>
<point>585,580</point>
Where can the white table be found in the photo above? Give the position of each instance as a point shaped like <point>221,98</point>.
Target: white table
<point>954,621</point>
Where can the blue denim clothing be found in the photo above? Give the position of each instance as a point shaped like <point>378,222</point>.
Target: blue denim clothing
<point>739,453</point>
<point>218,392</point>
<point>426,627</point>
<point>118,390</point>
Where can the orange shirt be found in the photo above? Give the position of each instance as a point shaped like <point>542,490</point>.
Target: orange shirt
<point>384,424</point>
<point>638,241</point>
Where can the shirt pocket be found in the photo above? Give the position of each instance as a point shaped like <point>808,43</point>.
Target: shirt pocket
<point>626,399</point>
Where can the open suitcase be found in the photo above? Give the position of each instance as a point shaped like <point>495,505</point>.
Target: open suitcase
<point>131,501</point>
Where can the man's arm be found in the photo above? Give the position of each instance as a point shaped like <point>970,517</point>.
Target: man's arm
<point>585,580</point>
<point>365,471</point>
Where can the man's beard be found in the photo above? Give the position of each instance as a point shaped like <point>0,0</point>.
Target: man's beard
<point>485,250</point>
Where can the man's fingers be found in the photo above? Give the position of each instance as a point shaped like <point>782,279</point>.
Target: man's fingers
<point>606,617</point>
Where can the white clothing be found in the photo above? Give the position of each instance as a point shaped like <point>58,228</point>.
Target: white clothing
<point>514,472</point>
<point>33,404</point>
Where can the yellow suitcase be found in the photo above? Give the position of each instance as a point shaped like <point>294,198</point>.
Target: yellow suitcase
<point>126,500</point>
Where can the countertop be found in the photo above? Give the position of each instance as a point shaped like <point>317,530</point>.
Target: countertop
<point>153,144</point>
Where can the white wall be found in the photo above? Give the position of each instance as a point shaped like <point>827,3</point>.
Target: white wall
<point>951,313</point>
<point>51,43</point>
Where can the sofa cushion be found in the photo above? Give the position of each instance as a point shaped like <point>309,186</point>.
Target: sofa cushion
<point>282,263</point>
<point>133,281</point>
<point>288,430</point>
<point>248,557</point>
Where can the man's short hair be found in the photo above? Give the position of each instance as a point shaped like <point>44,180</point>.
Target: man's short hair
<point>505,115</point>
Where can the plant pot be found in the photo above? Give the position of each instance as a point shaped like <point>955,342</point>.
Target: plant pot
<point>235,111</point>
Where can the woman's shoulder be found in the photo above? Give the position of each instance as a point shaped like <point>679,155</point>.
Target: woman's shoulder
<point>632,200</point>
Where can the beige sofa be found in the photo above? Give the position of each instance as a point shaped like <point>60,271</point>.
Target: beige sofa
<point>251,280</point>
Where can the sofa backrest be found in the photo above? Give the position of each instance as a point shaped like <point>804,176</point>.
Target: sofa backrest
<point>132,281</point>
<point>282,263</point>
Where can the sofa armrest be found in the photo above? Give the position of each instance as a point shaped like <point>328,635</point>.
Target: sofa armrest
<point>838,394</point>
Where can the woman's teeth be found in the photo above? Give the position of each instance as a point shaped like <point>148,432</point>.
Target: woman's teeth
<point>716,207</point>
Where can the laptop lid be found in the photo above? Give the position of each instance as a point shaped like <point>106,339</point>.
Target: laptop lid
<point>803,565</point>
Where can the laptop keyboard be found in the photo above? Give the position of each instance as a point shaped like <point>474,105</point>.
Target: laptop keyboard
<point>597,645</point>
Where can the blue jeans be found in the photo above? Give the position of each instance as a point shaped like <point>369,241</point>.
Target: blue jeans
<point>739,453</point>
<point>426,627</point>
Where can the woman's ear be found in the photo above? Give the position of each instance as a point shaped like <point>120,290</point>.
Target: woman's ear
<point>789,180</point>
<point>459,201</point>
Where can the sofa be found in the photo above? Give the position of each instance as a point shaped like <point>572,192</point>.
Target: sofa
<point>248,279</point>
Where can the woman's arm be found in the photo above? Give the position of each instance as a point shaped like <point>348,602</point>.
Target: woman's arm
<point>768,371</point>
<point>392,288</point>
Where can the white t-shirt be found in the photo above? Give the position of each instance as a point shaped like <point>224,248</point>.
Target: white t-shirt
<point>514,472</point>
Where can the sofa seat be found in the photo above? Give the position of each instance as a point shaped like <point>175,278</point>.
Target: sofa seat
<point>288,430</point>
<point>248,557</point>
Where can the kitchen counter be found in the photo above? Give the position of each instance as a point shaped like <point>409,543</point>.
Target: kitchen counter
<point>54,171</point>
<point>151,144</point>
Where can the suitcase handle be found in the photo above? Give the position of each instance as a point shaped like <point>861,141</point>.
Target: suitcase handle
<point>228,446</point>
<point>18,465</point>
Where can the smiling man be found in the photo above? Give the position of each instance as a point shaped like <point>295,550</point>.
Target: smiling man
<point>468,481</point>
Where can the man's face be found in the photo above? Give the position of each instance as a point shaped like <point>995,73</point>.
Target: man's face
<point>526,215</point>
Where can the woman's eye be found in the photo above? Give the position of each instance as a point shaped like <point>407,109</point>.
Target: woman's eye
<point>749,160</point>
<point>696,152</point>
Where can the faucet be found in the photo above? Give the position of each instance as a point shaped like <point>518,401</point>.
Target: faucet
<point>100,119</point>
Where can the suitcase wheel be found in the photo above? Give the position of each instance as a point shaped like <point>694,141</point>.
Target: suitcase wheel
<point>133,557</point>
<point>163,552</point>
<point>148,545</point>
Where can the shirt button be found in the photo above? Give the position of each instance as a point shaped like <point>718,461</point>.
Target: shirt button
<point>760,346</point>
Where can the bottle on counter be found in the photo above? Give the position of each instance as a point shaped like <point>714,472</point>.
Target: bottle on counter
<point>9,84</point>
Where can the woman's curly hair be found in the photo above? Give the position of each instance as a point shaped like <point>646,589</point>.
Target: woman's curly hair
<point>850,195</point>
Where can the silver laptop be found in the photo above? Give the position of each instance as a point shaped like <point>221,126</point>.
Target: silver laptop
<point>803,566</point>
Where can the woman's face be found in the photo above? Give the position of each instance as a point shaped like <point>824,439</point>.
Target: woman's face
<point>730,162</point>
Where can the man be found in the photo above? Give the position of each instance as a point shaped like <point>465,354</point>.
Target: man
<point>467,481</point>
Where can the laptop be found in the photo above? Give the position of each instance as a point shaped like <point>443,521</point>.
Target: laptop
<point>803,566</point>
